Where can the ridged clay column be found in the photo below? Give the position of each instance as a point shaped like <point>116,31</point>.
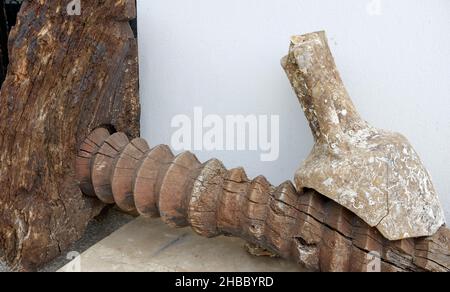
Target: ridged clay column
<point>302,226</point>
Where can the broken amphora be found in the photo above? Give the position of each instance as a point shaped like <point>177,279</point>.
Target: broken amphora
<point>374,173</point>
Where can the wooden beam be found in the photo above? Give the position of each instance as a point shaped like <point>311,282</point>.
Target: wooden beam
<point>68,75</point>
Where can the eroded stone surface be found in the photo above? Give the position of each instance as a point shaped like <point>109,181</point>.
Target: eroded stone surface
<point>374,173</point>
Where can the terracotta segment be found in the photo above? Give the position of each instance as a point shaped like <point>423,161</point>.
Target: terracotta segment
<point>309,229</point>
<point>302,226</point>
<point>405,246</point>
<point>103,166</point>
<point>338,218</point>
<point>146,184</point>
<point>205,199</point>
<point>335,252</point>
<point>360,261</point>
<point>366,238</point>
<point>281,219</point>
<point>124,172</point>
<point>88,149</point>
<point>433,253</point>
<point>312,203</point>
<point>178,182</point>
<point>233,202</point>
<point>388,268</point>
<point>256,208</point>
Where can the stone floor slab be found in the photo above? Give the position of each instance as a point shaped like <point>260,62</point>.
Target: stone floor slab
<point>147,245</point>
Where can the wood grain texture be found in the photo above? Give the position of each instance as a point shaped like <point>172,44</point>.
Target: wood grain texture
<point>306,226</point>
<point>68,75</point>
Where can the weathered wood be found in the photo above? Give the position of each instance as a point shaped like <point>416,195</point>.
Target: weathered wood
<point>68,75</point>
<point>302,226</point>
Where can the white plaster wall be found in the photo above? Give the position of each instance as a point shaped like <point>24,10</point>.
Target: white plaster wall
<point>223,55</point>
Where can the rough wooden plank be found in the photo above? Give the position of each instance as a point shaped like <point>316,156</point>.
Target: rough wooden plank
<point>67,76</point>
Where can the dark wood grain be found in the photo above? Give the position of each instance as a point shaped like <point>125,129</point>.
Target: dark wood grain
<point>68,75</point>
